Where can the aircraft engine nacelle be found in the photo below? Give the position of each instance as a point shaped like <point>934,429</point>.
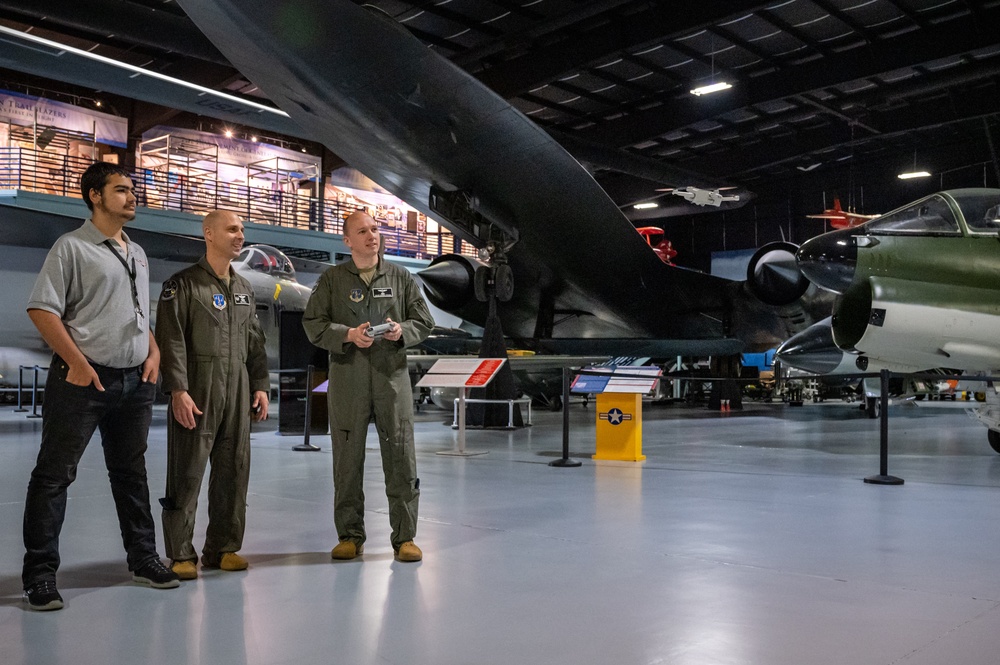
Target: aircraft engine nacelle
<point>943,325</point>
<point>773,275</point>
<point>449,282</point>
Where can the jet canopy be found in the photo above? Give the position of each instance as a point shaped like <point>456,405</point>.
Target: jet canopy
<point>267,260</point>
<point>942,214</point>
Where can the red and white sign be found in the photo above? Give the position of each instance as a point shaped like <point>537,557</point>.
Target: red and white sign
<point>461,372</point>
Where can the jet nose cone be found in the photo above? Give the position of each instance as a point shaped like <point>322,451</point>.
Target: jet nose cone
<point>829,260</point>
<point>811,350</point>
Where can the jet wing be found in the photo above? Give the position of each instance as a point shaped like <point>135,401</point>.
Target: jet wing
<point>417,124</point>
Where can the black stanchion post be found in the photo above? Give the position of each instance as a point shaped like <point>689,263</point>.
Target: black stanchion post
<point>34,395</point>
<point>20,390</point>
<point>565,459</point>
<point>305,445</point>
<point>884,478</point>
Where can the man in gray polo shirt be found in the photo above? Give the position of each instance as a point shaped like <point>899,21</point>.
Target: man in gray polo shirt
<point>91,305</point>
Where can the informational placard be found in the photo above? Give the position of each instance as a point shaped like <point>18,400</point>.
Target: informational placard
<point>461,373</point>
<point>613,379</point>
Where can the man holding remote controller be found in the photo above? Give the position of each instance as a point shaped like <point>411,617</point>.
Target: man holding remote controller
<point>369,379</point>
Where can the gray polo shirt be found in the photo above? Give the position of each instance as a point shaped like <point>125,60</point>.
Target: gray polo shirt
<point>84,284</point>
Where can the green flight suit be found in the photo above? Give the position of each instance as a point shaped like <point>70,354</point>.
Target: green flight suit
<point>366,383</point>
<point>212,346</point>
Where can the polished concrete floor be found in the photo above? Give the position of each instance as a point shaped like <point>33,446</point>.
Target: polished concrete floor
<point>746,538</point>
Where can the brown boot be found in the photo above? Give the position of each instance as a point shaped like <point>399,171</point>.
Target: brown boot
<point>185,570</point>
<point>346,549</point>
<point>408,551</point>
<point>232,561</point>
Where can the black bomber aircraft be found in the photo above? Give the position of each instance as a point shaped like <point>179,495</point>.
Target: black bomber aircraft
<point>571,271</point>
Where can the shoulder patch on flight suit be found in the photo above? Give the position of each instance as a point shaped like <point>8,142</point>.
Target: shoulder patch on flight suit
<point>219,301</point>
<point>169,290</point>
<point>357,295</point>
<point>241,299</point>
<point>383,292</point>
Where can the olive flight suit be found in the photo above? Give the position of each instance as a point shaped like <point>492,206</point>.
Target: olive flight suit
<point>370,382</point>
<point>212,346</point>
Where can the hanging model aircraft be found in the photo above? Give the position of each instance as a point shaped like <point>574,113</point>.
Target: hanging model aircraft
<point>568,266</point>
<point>840,218</point>
<point>918,290</point>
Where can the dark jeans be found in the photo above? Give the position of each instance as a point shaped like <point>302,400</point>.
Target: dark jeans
<point>70,414</point>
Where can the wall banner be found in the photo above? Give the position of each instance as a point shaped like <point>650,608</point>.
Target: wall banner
<point>20,109</point>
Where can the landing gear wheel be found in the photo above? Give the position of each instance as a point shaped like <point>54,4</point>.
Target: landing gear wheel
<point>994,438</point>
<point>873,407</point>
<point>504,283</point>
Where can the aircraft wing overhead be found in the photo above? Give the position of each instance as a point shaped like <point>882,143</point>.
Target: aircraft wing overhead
<point>411,121</point>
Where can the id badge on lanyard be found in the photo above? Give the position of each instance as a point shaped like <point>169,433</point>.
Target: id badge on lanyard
<point>140,318</point>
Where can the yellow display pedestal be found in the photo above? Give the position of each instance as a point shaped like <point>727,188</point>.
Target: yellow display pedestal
<point>619,427</point>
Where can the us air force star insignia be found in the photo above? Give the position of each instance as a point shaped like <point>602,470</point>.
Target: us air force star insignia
<point>357,295</point>
<point>241,299</point>
<point>169,290</point>
<point>219,301</point>
<point>616,416</point>
<point>384,292</point>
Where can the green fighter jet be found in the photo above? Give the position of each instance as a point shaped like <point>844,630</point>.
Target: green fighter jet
<point>919,289</point>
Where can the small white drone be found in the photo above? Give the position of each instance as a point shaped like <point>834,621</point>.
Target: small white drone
<point>704,197</point>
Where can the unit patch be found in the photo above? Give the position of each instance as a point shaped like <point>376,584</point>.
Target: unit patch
<point>169,290</point>
<point>357,295</point>
<point>219,301</point>
<point>383,292</point>
<point>241,298</point>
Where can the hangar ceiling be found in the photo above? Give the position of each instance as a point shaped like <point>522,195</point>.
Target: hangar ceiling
<point>828,97</point>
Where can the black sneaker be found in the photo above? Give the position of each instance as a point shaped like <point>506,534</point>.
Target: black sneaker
<point>156,575</point>
<point>42,596</point>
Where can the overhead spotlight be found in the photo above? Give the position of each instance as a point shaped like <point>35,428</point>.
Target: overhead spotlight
<point>646,206</point>
<point>708,89</point>
<point>229,133</point>
<point>97,103</point>
<point>253,138</point>
<point>303,149</point>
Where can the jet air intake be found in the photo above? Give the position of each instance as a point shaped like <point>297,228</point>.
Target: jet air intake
<point>449,281</point>
<point>773,276</point>
<point>830,260</point>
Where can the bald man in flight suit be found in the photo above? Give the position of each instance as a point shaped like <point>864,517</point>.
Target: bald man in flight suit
<point>214,368</point>
<point>369,377</point>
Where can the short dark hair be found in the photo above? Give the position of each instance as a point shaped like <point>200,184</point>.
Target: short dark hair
<point>96,176</point>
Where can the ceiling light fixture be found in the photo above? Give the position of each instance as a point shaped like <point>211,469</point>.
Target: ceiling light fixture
<point>708,89</point>
<point>712,87</point>
<point>914,173</point>
<point>646,206</point>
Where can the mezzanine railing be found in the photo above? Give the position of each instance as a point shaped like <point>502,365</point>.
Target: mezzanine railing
<point>58,174</point>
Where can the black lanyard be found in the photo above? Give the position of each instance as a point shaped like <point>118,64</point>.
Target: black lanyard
<point>131,276</point>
